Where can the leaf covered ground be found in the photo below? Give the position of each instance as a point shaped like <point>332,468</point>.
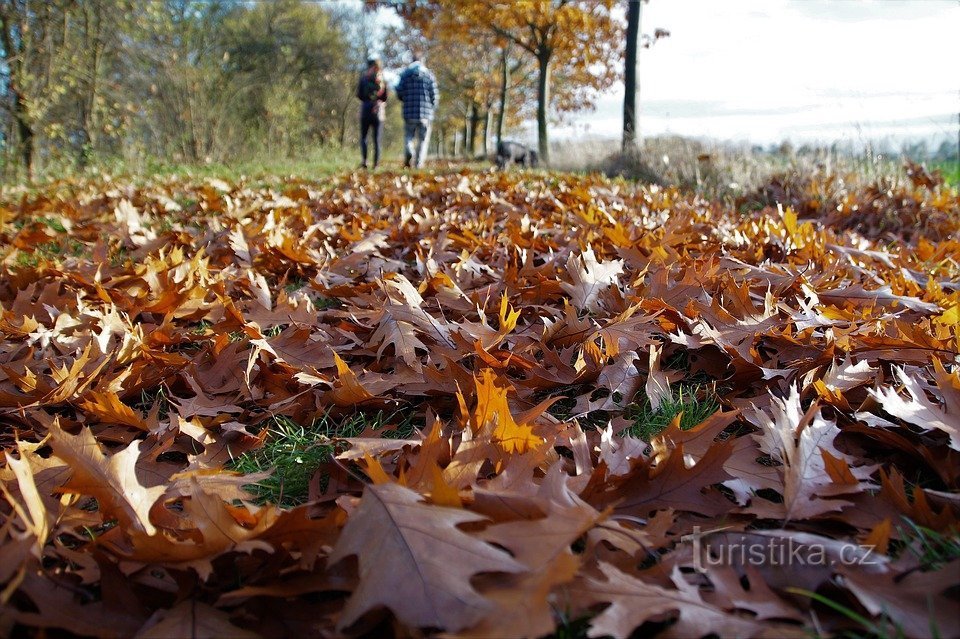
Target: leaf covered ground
<point>507,405</point>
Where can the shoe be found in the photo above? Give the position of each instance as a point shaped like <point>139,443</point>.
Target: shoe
<point>363,165</point>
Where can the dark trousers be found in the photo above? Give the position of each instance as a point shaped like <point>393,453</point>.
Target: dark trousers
<point>370,123</point>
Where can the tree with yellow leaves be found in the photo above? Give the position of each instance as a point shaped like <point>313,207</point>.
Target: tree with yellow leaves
<point>576,40</point>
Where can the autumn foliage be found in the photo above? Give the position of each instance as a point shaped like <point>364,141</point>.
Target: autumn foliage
<point>152,331</point>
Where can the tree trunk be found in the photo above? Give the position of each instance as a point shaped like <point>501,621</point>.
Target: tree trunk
<point>543,102</point>
<point>93,32</point>
<point>486,131</point>
<point>504,85</point>
<point>13,51</point>
<point>631,78</point>
<point>26,145</point>
<point>342,138</point>
<point>24,130</point>
<point>474,128</point>
<point>467,133</point>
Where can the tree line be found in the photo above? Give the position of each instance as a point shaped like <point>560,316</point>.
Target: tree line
<point>84,82</point>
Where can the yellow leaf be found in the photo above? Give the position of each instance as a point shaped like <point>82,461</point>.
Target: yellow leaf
<point>492,411</point>
<point>349,390</point>
<point>108,408</point>
<point>950,317</point>
<point>375,471</point>
<point>508,319</point>
<point>443,494</point>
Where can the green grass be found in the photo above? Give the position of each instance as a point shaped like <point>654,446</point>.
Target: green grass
<point>571,627</point>
<point>293,453</point>
<point>562,409</point>
<point>49,252</point>
<point>932,549</point>
<point>950,170</point>
<point>262,170</point>
<point>321,162</point>
<point>883,628</point>
<point>693,403</point>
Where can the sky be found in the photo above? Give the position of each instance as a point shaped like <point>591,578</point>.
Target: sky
<point>763,71</point>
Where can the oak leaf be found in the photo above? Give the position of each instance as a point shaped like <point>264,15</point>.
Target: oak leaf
<point>633,602</point>
<point>195,620</point>
<point>415,561</point>
<point>918,409</point>
<point>112,480</point>
<point>669,484</point>
<point>589,278</point>
<point>492,416</point>
<point>813,469</point>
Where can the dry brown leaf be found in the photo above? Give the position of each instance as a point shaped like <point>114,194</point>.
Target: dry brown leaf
<point>415,561</point>
<point>112,480</point>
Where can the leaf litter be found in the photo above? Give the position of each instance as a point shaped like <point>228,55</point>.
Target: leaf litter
<point>529,325</point>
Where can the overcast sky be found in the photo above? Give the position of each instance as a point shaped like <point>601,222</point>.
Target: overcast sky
<point>767,70</point>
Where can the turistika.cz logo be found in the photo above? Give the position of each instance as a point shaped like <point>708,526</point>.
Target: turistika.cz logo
<point>710,548</point>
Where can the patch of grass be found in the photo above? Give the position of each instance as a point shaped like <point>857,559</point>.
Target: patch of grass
<point>275,330</point>
<point>118,258</point>
<point>883,628</point>
<point>693,402</point>
<point>261,170</point>
<point>153,398</point>
<point>49,252</point>
<point>293,453</point>
<point>323,303</point>
<point>295,285</point>
<point>932,549</point>
<point>201,327</point>
<point>53,223</point>
<point>571,627</point>
<point>562,409</point>
<point>950,170</point>
<point>28,260</point>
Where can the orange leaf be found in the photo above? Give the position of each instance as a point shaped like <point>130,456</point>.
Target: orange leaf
<point>109,408</point>
<point>348,391</point>
<point>492,415</point>
<point>838,469</point>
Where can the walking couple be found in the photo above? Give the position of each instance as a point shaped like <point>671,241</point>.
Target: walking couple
<point>417,90</point>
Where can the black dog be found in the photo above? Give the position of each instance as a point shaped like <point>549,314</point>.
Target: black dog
<point>509,153</point>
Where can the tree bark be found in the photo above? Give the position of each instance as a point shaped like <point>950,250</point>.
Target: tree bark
<point>543,102</point>
<point>93,32</point>
<point>631,78</point>
<point>504,85</point>
<point>473,129</point>
<point>488,116</point>
<point>26,142</point>
<point>342,137</point>
<point>14,63</point>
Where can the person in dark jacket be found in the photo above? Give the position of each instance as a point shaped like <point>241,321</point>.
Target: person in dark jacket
<point>417,89</point>
<point>372,92</point>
